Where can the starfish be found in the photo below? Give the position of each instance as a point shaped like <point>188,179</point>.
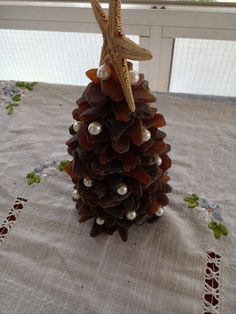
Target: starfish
<point>117,48</point>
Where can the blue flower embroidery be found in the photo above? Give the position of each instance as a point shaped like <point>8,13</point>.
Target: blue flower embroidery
<point>12,92</point>
<point>210,211</point>
<point>45,168</point>
<point>212,208</point>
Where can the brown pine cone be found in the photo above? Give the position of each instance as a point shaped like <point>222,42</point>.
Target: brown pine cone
<point>120,159</point>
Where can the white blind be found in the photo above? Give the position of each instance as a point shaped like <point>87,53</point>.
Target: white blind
<point>204,67</point>
<point>52,57</point>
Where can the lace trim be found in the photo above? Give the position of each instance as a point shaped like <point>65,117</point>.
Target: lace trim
<point>211,286</point>
<point>11,217</point>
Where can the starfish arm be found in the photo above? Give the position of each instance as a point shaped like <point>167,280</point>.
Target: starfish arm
<point>100,16</point>
<point>104,53</point>
<point>130,50</point>
<point>122,72</point>
<point>114,17</point>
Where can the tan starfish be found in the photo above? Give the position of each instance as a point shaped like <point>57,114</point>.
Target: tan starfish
<point>117,48</point>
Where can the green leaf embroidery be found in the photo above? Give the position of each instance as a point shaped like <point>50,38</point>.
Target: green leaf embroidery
<point>212,225</point>
<point>60,168</point>
<point>17,97</point>
<point>26,85</point>
<point>64,162</point>
<point>192,200</point>
<point>20,84</point>
<point>188,198</point>
<point>30,181</point>
<point>218,229</point>
<point>62,165</point>
<point>30,175</point>
<point>223,229</point>
<point>192,205</point>
<point>10,110</point>
<point>37,179</point>
<point>195,197</point>
<point>217,233</point>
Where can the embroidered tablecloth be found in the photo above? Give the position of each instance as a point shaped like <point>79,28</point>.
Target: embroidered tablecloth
<point>48,261</point>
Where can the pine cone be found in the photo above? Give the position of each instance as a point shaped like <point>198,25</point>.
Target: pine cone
<point>120,160</point>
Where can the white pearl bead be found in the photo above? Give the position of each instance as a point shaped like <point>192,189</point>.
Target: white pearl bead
<point>77,126</point>
<point>100,221</point>
<point>76,195</point>
<point>146,135</point>
<point>131,215</point>
<point>122,189</point>
<point>104,72</point>
<point>158,160</point>
<point>88,182</point>
<point>160,212</point>
<point>95,128</point>
<point>134,77</point>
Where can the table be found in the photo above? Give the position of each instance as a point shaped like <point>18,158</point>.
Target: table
<point>50,264</point>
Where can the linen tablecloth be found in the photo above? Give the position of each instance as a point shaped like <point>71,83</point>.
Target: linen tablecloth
<point>48,261</point>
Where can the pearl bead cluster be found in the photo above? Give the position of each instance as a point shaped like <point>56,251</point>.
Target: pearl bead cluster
<point>131,215</point>
<point>94,128</point>
<point>88,182</point>
<point>121,189</point>
<point>104,73</point>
